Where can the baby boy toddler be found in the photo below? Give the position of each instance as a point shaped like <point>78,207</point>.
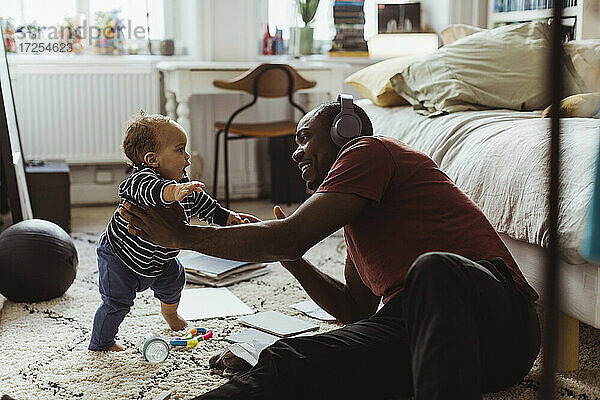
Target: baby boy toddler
<point>129,264</point>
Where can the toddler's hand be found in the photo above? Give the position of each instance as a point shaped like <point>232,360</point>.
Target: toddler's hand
<point>183,189</point>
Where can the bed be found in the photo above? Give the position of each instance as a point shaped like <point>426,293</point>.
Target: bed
<point>497,157</point>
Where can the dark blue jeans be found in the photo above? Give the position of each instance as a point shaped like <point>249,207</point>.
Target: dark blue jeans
<point>458,329</point>
<point>118,287</point>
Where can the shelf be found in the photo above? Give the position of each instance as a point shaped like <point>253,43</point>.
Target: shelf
<point>528,15</point>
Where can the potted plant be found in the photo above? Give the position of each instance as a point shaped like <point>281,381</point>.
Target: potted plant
<point>307,10</point>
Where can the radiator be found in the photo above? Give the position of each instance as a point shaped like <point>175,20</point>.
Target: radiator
<point>79,114</point>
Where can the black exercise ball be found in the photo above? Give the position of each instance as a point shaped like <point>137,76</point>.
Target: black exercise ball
<point>38,261</point>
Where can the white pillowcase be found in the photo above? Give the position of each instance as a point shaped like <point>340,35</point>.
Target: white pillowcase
<point>585,55</point>
<point>502,68</point>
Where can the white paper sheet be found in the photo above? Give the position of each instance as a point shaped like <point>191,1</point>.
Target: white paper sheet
<point>312,309</point>
<point>251,334</point>
<point>206,303</point>
<point>247,351</point>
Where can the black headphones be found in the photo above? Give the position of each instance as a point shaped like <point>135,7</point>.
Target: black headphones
<point>346,125</point>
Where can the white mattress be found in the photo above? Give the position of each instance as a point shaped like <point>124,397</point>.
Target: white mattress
<point>498,158</point>
<point>579,285</point>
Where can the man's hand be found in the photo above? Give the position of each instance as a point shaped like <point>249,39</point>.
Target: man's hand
<point>161,225</point>
<point>279,214</point>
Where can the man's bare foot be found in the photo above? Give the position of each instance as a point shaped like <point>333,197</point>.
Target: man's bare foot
<point>169,313</point>
<point>116,347</point>
<point>175,321</point>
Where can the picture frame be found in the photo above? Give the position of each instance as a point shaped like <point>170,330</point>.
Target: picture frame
<point>11,154</point>
<point>398,17</point>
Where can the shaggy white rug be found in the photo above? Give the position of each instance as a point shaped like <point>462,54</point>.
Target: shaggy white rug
<point>44,345</point>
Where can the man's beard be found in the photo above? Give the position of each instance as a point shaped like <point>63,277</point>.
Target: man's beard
<point>314,185</point>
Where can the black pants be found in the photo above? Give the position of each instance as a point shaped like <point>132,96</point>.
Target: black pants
<point>455,331</point>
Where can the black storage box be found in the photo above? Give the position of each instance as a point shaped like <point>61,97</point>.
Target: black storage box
<point>50,192</point>
<point>287,185</point>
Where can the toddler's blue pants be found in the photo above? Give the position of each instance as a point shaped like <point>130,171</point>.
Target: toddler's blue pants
<point>118,287</point>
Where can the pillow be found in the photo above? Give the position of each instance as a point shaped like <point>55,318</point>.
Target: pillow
<point>504,67</point>
<point>373,82</point>
<point>585,105</point>
<point>585,55</point>
<point>458,31</point>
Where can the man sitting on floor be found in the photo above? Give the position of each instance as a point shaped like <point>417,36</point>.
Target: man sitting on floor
<point>458,318</point>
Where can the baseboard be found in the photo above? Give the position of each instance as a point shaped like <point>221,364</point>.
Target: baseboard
<point>85,194</point>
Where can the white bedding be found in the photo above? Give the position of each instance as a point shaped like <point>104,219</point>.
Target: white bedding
<point>498,158</point>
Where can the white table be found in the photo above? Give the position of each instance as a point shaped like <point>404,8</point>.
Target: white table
<point>182,79</point>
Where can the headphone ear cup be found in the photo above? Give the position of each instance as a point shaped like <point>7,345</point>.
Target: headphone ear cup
<point>337,139</point>
<point>349,126</point>
<point>345,128</point>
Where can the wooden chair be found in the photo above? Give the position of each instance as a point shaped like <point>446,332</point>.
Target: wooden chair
<point>266,80</point>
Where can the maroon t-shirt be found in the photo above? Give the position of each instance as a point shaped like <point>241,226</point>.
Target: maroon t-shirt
<point>416,209</point>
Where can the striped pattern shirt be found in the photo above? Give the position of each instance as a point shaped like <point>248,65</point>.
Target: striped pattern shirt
<point>145,187</point>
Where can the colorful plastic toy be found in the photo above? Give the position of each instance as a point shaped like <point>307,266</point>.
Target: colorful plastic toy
<point>192,337</point>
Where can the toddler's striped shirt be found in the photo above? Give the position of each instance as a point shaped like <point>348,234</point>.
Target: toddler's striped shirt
<point>145,188</point>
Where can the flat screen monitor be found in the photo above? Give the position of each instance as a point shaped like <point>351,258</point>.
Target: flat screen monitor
<point>10,141</point>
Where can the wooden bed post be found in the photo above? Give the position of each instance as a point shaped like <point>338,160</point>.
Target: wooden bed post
<point>567,356</point>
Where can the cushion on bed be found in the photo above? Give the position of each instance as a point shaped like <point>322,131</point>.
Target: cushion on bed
<point>585,54</point>
<point>502,68</point>
<point>373,82</point>
<point>458,31</point>
<point>586,105</point>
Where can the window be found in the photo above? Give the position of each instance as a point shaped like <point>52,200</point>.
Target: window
<point>135,11</point>
<point>284,14</point>
<point>53,13</point>
<point>45,13</point>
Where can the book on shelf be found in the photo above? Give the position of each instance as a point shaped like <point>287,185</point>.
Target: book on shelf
<point>526,5</point>
<point>345,9</point>
<point>348,14</point>
<point>214,271</point>
<point>349,27</point>
<point>341,53</point>
<point>360,21</point>
<point>344,3</point>
<point>349,22</point>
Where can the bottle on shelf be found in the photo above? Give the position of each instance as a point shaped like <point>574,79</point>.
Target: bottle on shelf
<point>278,41</point>
<point>267,43</point>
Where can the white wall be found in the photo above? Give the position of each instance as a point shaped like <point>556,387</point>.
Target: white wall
<point>217,30</point>
<point>238,28</point>
<point>441,13</point>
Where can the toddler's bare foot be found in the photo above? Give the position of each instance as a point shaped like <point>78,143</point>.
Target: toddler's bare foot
<point>116,347</point>
<point>169,312</point>
<point>175,321</point>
